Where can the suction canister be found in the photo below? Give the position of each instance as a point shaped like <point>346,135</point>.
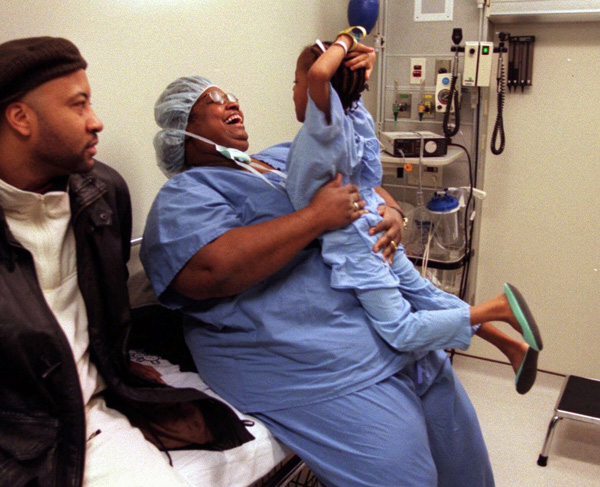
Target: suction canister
<point>444,209</point>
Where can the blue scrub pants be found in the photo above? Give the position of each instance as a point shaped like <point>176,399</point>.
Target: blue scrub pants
<point>417,428</point>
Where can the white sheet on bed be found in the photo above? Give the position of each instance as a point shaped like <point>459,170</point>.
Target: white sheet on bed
<point>238,467</point>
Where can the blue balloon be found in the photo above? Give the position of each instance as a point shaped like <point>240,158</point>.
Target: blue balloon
<point>363,13</point>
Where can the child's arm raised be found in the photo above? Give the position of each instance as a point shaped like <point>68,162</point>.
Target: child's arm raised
<point>323,69</point>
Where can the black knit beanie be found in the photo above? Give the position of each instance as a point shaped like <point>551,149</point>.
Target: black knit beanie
<point>28,63</point>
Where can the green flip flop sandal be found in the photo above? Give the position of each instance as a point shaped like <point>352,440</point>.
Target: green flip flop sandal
<point>531,333</point>
<point>527,371</point>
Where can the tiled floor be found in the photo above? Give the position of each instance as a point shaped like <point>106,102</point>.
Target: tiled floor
<point>514,427</point>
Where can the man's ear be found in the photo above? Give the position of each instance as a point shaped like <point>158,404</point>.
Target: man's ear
<point>19,116</point>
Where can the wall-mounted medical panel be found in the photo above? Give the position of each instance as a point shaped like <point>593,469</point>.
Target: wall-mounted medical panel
<point>515,11</point>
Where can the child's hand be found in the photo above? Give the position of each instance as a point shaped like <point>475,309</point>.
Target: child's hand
<point>361,57</point>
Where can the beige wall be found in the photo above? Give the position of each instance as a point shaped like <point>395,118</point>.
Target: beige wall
<point>540,226</point>
<point>136,47</point>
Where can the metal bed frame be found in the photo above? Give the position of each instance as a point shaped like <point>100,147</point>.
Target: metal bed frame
<point>292,472</point>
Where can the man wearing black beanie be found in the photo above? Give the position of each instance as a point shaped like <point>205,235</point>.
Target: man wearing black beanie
<point>48,128</point>
<point>65,228</point>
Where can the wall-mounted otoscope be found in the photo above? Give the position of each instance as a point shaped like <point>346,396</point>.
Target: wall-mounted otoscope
<point>501,88</point>
<point>451,129</point>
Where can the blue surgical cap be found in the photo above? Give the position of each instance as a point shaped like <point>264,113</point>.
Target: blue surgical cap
<point>171,112</point>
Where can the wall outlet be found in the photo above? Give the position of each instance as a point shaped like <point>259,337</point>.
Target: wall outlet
<point>402,105</point>
<point>417,70</point>
<point>442,66</point>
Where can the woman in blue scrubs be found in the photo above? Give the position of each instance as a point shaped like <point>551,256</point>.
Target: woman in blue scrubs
<point>267,331</point>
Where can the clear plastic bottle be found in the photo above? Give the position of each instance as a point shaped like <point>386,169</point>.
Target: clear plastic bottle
<point>444,209</point>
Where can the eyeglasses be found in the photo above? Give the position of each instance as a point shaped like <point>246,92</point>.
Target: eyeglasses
<point>221,99</point>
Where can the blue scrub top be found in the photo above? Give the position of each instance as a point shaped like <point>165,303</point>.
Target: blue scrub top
<point>288,341</point>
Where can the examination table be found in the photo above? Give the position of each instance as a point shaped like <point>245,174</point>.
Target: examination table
<point>262,462</point>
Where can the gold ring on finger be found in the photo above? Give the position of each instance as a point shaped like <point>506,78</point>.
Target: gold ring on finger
<point>393,244</point>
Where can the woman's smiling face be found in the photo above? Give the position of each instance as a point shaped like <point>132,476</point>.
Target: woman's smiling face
<point>223,123</point>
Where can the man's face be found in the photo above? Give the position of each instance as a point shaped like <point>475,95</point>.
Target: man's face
<point>223,124</point>
<point>64,129</point>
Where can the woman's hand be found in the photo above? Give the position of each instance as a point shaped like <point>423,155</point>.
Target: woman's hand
<point>391,225</point>
<point>335,206</point>
<point>361,57</point>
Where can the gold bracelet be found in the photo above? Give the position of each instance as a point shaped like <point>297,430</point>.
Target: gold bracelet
<point>356,33</point>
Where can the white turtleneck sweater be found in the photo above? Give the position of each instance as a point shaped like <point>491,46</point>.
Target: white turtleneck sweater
<point>41,223</point>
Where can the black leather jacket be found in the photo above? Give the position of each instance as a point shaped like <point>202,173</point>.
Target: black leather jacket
<point>42,423</point>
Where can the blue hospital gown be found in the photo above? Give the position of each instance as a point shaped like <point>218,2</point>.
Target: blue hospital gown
<point>291,341</point>
<point>348,146</point>
<point>390,294</point>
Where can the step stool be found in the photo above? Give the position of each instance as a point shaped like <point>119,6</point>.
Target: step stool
<point>579,400</point>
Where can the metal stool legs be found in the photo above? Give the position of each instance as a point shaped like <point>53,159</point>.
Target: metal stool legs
<point>543,458</point>
<point>579,400</point>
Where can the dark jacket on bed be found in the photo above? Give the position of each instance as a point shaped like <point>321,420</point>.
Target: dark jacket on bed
<point>42,422</point>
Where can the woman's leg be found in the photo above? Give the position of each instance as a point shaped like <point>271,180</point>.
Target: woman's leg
<point>455,437</point>
<point>376,437</point>
<point>415,428</point>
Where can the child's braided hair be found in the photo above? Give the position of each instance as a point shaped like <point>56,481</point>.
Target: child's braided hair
<point>347,83</point>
